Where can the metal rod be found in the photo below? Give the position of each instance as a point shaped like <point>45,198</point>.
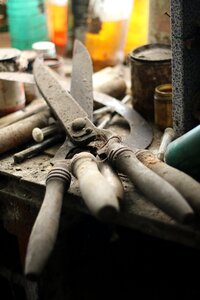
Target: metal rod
<point>37,148</point>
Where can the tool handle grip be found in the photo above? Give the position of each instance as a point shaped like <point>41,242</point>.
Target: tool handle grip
<point>112,178</point>
<point>45,229</point>
<point>97,193</point>
<point>185,184</point>
<point>167,137</point>
<point>155,188</point>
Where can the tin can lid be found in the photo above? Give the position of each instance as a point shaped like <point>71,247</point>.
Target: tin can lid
<point>9,53</point>
<point>152,53</point>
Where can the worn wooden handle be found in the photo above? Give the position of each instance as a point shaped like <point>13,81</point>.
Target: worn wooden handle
<point>154,187</point>
<point>185,184</point>
<point>20,132</point>
<point>97,193</point>
<point>112,178</point>
<point>44,232</point>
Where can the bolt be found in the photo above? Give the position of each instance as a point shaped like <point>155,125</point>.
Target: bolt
<point>78,124</point>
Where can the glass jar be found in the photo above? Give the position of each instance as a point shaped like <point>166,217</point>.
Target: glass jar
<point>107,27</point>
<point>57,12</point>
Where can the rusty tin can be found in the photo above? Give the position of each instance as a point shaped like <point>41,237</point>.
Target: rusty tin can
<point>12,96</point>
<point>150,66</point>
<point>163,106</point>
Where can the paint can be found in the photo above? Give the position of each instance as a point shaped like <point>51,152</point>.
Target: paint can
<point>150,66</point>
<point>12,95</point>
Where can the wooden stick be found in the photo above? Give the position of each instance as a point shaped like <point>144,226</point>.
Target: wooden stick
<point>34,107</point>
<point>21,132</point>
<point>167,137</point>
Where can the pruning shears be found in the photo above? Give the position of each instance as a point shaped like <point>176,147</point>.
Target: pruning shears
<point>87,148</point>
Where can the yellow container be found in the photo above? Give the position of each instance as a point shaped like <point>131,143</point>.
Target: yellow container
<point>107,28</point>
<point>138,26</point>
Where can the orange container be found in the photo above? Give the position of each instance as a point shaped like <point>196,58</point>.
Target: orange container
<point>57,21</point>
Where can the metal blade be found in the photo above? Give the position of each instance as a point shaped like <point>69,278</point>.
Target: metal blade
<point>81,78</point>
<point>141,133</point>
<point>63,105</point>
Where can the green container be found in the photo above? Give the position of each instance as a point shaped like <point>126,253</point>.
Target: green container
<point>184,153</point>
<point>27,22</point>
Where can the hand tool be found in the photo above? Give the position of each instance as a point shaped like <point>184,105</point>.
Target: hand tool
<point>184,183</point>
<point>110,113</point>
<point>140,131</point>
<point>85,144</point>
<point>140,138</point>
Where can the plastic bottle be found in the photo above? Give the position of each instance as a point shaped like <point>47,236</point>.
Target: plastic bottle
<point>138,26</point>
<point>57,11</point>
<point>27,22</point>
<point>107,29</point>
<point>184,153</point>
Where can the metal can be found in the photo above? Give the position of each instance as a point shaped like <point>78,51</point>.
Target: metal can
<point>150,66</point>
<point>12,95</point>
<point>163,106</point>
<point>9,59</point>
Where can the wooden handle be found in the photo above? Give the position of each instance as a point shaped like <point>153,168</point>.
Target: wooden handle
<point>112,178</point>
<point>167,137</point>
<point>21,132</point>
<point>44,232</point>
<point>34,107</point>
<point>97,193</point>
<point>184,183</point>
<point>155,188</point>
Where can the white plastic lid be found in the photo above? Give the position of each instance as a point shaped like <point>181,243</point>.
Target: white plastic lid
<point>46,48</point>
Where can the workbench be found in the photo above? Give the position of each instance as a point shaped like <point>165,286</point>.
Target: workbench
<point>22,190</point>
